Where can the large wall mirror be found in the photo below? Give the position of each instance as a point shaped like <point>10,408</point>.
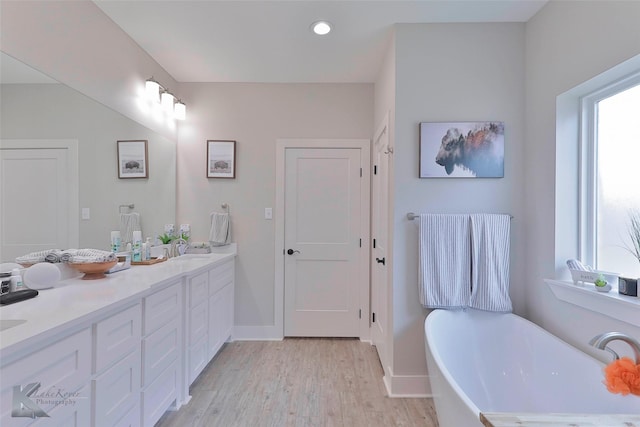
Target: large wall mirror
<point>37,112</point>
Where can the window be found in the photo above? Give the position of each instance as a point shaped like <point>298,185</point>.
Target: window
<point>610,172</point>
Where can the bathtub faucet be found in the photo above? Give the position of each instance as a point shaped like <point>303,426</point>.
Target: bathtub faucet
<point>600,342</point>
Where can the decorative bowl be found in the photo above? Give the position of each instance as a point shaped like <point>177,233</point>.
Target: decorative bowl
<point>93,270</point>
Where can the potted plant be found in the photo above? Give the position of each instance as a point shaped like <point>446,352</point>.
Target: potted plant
<point>634,234</point>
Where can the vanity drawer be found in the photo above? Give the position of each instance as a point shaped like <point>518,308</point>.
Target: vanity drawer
<point>162,307</point>
<point>159,350</point>
<point>220,276</point>
<point>198,289</point>
<point>116,336</point>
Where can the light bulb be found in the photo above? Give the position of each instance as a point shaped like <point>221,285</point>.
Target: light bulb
<point>321,27</point>
<point>152,90</point>
<point>167,102</point>
<point>180,110</point>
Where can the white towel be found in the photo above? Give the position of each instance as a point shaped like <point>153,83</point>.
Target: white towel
<point>490,262</point>
<point>445,261</point>
<point>220,232</point>
<point>129,222</point>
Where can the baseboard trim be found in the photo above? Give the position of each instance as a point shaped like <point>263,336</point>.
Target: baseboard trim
<point>406,385</point>
<point>257,333</point>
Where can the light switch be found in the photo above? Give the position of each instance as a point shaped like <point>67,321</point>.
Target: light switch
<point>86,213</point>
<point>268,213</point>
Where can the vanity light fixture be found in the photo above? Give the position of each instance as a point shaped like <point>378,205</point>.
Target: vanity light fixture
<point>167,101</point>
<point>152,90</point>
<point>180,110</point>
<point>164,100</point>
<point>321,28</point>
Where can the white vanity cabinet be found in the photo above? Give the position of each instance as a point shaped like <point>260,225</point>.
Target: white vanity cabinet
<point>221,299</point>
<point>161,352</point>
<point>117,366</point>
<point>210,298</point>
<point>64,366</point>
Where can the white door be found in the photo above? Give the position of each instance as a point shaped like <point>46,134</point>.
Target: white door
<point>379,235</point>
<point>34,201</point>
<point>322,235</point>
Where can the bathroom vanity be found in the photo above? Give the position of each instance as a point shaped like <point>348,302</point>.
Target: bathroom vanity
<point>117,351</point>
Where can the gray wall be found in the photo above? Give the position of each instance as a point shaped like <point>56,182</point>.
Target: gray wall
<point>453,72</point>
<point>256,115</point>
<point>567,43</point>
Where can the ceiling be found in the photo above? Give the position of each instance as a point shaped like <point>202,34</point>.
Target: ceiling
<point>270,41</point>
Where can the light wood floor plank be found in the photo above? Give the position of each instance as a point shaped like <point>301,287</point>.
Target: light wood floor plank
<point>297,382</point>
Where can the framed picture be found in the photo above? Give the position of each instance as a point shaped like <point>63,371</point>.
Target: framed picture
<point>221,159</point>
<point>461,150</point>
<point>132,159</point>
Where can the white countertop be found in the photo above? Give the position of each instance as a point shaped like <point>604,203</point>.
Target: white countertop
<point>73,301</point>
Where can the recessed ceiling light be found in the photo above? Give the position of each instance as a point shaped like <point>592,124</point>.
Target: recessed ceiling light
<point>321,27</point>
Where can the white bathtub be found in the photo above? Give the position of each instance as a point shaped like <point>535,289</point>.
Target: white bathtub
<point>485,362</point>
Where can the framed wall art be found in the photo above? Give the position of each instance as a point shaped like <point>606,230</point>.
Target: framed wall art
<point>132,159</point>
<point>461,150</point>
<point>221,159</point>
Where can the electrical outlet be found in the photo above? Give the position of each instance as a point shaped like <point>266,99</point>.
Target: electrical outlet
<point>86,213</point>
<point>268,213</point>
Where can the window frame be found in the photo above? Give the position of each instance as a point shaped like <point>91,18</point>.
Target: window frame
<point>588,166</point>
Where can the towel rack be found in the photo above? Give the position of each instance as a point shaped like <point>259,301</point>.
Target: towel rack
<point>130,206</point>
<point>225,206</point>
<point>411,216</point>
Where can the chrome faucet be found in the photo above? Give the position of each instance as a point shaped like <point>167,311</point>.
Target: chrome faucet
<point>178,247</point>
<point>600,342</point>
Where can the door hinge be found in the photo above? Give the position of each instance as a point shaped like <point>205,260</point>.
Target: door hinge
<point>375,169</point>
<point>360,314</point>
<point>360,172</point>
<point>360,242</point>
<point>373,317</point>
<point>374,243</point>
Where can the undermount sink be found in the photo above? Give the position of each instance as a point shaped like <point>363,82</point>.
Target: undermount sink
<point>10,323</point>
<point>187,257</point>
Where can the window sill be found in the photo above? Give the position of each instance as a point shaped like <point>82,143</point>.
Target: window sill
<point>612,304</point>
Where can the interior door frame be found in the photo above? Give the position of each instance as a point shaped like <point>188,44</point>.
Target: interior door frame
<point>365,204</point>
<point>71,145</point>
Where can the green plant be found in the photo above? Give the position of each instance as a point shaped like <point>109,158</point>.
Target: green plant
<point>166,238</point>
<point>634,234</point>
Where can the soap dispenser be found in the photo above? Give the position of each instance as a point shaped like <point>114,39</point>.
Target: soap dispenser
<point>136,245</point>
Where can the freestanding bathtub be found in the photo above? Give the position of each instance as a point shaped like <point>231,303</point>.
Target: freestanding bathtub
<point>487,362</point>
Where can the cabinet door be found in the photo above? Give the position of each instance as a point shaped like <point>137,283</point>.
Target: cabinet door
<point>220,276</point>
<point>117,390</point>
<point>160,349</point>
<point>198,357</point>
<point>116,336</point>
<point>198,289</point>
<point>157,397</point>
<point>220,318</point>
<point>64,365</point>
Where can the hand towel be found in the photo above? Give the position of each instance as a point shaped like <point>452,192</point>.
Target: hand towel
<point>445,261</point>
<point>220,232</point>
<point>490,262</point>
<point>129,222</point>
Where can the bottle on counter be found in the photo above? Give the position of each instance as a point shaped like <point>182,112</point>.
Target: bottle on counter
<point>116,241</point>
<point>136,245</point>
<point>148,251</point>
<point>16,281</point>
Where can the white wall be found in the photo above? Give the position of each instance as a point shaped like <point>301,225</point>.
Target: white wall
<point>54,111</point>
<point>567,43</point>
<point>255,115</point>
<point>75,43</point>
<point>452,72</point>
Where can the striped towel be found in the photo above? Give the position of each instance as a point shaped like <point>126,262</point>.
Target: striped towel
<point>445,261</point>
<point>490,261</point>
<point>36,257</point>
<point>220,232</point>
<point>129,222</point>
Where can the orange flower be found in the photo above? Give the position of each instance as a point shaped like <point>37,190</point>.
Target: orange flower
<point>623,376</point>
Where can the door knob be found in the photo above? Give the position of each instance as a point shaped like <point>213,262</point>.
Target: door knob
<point>380,261</point>
<point>291,251</point>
